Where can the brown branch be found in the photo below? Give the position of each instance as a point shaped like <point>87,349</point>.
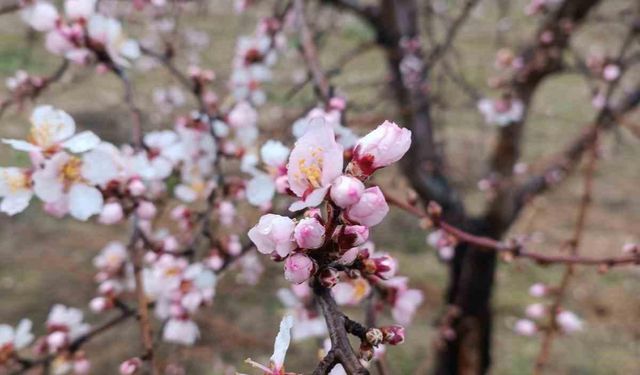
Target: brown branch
<point>143,307</point>
<point>440,49</point>
<point>136,114</point>
<point>513,249</point>
<point>336,323</point>
<point>310,54</point>
<point>36,91</point>
<point>574,243</point>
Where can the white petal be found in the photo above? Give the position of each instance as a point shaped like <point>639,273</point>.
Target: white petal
<point>21,145</point>
<point>82,142</point>
<point>84,201</point>
<point>16,203</point>
<point>260,190</point>
<point>48,188</point>
<point>23,336</point>
<point>282,341</point>
<point>99,167</point>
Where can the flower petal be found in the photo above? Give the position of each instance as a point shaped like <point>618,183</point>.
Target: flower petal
<point>282,342</point>
<point>84,201</point>
<point>82,142</point>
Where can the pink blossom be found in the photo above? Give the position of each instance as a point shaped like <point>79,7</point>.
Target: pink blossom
<point>146,210</point>
<point>298,268</point>
<point>569,322</point>
<point>393,335</point>
<point>315,161</point>
<point>538,290</point>
<point>273,233</point>
<point>81,366</point>
<point>309,233</point>
<point>346,191</point>
<point>41,15</point>
<point>525,327</point>
<point>385,266</point>
<point>111,213</point>
<point>535,311</point>
<point>611,72</point>
<point>130,366</point>
<point>370,209</point>
<point>383,146</point>
<point>353,235</point>
<point>136,187</point>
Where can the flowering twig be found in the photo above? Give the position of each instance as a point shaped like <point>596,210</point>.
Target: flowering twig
<point>510,249</point>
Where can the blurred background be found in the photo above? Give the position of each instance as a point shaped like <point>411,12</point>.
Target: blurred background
<point>44,260</point>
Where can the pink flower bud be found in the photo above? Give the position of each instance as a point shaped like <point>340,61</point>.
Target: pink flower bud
<point>282,184</point>
<point>346,191</point>
<point>309,233</point>
<point>81,366</point>
<point>56,340</point>
<point>111,213</point>
<point>538,290</point>
<point>383,146</point>
<point>235,247</point>
<point>535,311</point>
<point>525,327</point>
<point>386,266</point>
<point>98,304</point>
<point>136,187</point>
<point>298,268</point>
<point>370,209</point>
<point>273,233</point>
<point>356,234</point>
<point>393,335</point>
<point>611,72</point>
<point>329,277</point>
<point>146,210</point>
<point>130,366</point>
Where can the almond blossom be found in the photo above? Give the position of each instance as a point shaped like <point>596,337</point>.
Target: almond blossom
<point>501,112</point>
<point>15,189</point>
<point>40,15</point>
<point>315,161</point>
<point>14,339</point>
<point>64,181</point>
<point>52,130</point>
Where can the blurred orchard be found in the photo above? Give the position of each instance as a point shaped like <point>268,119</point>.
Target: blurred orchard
<point>319,187</point>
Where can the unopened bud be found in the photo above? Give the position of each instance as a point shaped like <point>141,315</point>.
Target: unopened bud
<point>393,335</point>
<point>366,352</point>
<point>374,336</point>
<point>434,210</point>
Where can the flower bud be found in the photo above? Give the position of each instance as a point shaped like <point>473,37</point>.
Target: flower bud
<point>525,327</point>
<point>98,304</point>
<point>309,233</point>
<point>538,290</point>
<point>346,191</point>
<point>136,187</point>
<point>535,311</point>
<point>81,366</point>
<point>146,210</point>
<point>381,147</point>
<point>130,366</point>
<point>370,209</point>
<point>111,213</point>
<point>393,335</point>
<point>273,233</point>
<point>385,266</point>
<point>56,341</point>
<point>374,336</point>
<point>298,268</point>
<point>329,277</point>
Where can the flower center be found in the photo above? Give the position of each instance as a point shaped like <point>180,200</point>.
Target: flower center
<point>71,170</point>
<point>16,182</point>
<point>312,171</point>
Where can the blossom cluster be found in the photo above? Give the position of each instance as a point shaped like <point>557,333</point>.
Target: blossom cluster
<point>64,326</point>
<point>566,321</point>
<point>81,33</point>
<point>329,247</point>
